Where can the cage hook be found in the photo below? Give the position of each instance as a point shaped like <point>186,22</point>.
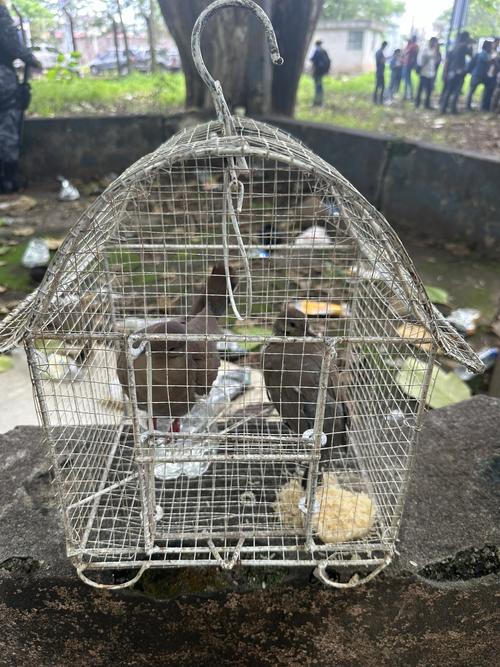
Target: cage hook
<point>215,88</point>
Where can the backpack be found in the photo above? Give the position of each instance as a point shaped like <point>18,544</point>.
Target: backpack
<point>323,62</point>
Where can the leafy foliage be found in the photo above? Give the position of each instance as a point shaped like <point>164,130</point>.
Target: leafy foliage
<point>381,10</point>
<point>483,19</point>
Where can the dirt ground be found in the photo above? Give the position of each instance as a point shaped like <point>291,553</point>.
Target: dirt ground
<point>471,281</point>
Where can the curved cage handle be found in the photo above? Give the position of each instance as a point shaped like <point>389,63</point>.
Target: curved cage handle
<point>223,113</point>
<point>320,573</point>
<point>110,587</point>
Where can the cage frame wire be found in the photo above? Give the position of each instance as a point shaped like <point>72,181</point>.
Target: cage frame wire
<point>235,143</point>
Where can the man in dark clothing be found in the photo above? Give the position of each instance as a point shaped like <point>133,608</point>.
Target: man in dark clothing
<point>479,73</point>
<point>491,76</point>
<point>456,68</point>
<point>10,109</point>
<point>378,93</point>
<point>321,66</point>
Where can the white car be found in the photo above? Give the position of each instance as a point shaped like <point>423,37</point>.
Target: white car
<point>46,54</point>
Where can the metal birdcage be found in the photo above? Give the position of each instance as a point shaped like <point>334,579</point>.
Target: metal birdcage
<point>216,467</point>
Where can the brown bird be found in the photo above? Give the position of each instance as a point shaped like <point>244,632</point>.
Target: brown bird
<point>292,373</point>
<point>181,370</point>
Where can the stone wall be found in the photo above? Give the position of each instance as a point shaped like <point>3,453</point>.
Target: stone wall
<point>435,192</point>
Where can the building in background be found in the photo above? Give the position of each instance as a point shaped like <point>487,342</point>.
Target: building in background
<point>351,45</point>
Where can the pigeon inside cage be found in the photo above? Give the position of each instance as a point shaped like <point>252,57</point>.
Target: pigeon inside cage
<point>231,354</point>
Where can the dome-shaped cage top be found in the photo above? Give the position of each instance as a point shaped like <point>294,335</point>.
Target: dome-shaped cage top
<point>192,161</point>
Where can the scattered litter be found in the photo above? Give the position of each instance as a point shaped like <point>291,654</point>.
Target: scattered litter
<point>18,205</point>
<point>488,356</point>
<point>6,363</point>
<point>3,289</point>
<point>201,419</point>
<point>464,320</point>
<point>437,295</point>
<point>457,249</point>
<point>395,417</point>
<point>207,181</point>
<point>332,208</point>
<point>321,308</point>
<point>53,244</point>
<point>314,235</point>
<point>58,367</point>
<point>399,121</point>
<point>438,123</point>
<point>67,192</point>
<point>444,389</point>
<point>249,345</point>
<point>23,231</point>
<point>36,254</point>
<point>256,253</point>
<point>415,331</point>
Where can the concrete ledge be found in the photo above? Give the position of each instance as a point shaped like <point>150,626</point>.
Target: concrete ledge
<point>206,617</point>
<point>437,192</point>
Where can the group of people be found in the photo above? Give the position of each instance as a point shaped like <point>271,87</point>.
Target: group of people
<point>483,67</point>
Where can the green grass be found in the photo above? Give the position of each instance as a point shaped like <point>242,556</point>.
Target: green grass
<point>13,275</point>
<point>137,93</point>
<point>348,103</point>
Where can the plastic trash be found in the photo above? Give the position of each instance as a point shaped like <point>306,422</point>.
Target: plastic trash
<point>202,419</point>
<point>464,320</point>
<point>67,192</point>
<point>257,253</point>
<point>314,235</point>
<point>488,356</point>
<point>36,254</point>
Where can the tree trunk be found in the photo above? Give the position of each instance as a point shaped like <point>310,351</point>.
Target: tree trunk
<point>236,53</point>
<point>71,30</point>
<point>115,42</point>
<point>151,40</point>
<point>125,38</point>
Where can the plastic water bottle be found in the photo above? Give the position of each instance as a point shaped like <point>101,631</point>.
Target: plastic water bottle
<point>201,419</point>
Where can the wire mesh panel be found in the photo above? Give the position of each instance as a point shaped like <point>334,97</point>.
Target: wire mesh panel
<point>231,354</point>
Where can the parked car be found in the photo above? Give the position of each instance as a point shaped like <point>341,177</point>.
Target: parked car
<point>106,61</point>
<point>46,54</point>
<point>167,60</point>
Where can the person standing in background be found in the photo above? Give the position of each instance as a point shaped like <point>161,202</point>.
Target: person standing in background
<point>410,55</point>
<point>396,66</point>
<point>427,63</point>
<point>378,93</point>
<point>491,76</point>
<point>455,70</point>
<point>10,99</point>
<point>478,68</point>
<point>321,66</point>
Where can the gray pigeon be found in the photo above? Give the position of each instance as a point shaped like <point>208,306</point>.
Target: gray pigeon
<point>292,372</point>
<point>182,370</point>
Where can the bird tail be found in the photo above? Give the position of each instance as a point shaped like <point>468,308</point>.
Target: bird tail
<point>215,297</point>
